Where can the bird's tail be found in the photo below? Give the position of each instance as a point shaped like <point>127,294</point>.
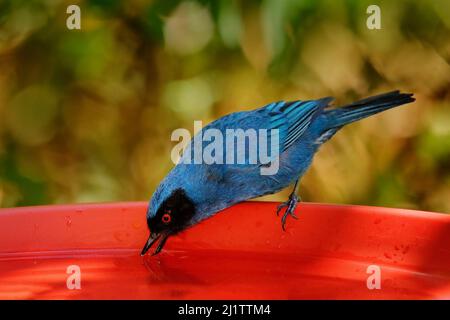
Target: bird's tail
<point>365,108</point>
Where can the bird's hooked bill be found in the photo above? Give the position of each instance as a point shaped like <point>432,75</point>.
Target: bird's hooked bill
<point>152,239</point>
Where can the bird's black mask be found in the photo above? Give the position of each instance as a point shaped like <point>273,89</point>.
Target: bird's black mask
<point>171,217</point>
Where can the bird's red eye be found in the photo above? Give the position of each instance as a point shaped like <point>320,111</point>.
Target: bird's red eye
<point>166,218</point>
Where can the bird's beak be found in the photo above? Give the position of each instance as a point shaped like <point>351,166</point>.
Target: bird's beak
<point>152,238</point>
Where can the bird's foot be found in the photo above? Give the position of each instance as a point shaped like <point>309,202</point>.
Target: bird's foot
<point>291,204</point>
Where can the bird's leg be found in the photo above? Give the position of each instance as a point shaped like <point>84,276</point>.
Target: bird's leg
<point>292,198</point>
<point>291,204</point>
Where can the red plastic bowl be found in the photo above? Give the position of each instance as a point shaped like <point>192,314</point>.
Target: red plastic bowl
<point>242,253</point>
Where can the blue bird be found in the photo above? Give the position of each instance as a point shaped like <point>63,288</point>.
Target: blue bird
<point>192,192</point>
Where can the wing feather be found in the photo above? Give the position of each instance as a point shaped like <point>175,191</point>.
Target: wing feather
<point>293,118</point>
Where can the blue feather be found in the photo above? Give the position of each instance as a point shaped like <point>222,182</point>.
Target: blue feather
<point>302,126</point>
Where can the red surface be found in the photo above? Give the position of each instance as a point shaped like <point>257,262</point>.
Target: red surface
<point>241,253</point>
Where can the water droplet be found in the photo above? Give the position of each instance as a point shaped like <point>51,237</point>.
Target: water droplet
<point>137,225</point>
<point>68,221</point>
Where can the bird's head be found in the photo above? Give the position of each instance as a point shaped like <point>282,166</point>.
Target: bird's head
<point>168,216</point>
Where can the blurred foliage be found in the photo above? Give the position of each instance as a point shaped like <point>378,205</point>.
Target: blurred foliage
<point>86,115</point>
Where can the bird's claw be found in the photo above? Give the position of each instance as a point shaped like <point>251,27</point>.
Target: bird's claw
<point>291,204</point>
<point>281,206</point>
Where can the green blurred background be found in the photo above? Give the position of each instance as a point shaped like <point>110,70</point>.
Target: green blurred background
<point>86,115</point>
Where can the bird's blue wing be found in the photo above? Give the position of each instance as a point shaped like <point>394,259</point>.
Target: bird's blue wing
<point>293,118</point>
